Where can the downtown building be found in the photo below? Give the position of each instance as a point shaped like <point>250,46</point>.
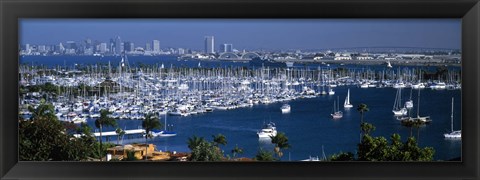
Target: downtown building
<point>118,46</point>
<point>156,46</point>
<point>226,48</point>
<point>209,45</point>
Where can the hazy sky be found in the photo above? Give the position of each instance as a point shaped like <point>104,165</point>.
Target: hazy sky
<point>251,33</point>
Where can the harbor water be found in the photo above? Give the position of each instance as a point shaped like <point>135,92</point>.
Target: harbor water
<point>309,125</point>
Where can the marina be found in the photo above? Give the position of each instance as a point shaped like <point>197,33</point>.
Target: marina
<point>237,100</point>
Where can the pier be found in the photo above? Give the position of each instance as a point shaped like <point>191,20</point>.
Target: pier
<point>113,133</point>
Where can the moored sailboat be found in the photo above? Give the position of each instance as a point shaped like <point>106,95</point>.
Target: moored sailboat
<point>397,109</point>
<point>337,114</point>
<point>347,104</point>
<point>453,134</point>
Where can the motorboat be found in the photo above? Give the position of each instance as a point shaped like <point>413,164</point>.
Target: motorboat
<point>268,130</point>
<point>285,108</point>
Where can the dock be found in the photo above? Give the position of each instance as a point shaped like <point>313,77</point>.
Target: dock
<point>113,133</point>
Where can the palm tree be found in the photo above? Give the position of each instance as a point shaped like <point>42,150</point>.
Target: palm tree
<point>362,108</point>
<point>151,122</point>
<point>263,155</point>
<point>104,121</point>
<point>43,110</point>
<point>219,139</point>
<point>236,151</point>
<point>194,142</point>
<point>119,132</point>
<point>281,142</point>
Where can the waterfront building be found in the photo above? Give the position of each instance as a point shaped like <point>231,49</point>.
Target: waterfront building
<point>156,46</point>
<point>226,48</point>
<point>209,44</point>
<point>181,51</point>
<point>339,56</point>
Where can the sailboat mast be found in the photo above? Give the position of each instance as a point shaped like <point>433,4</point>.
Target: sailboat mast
<point>418,103</point>
<point>451,117</point>
<point>338,107</point>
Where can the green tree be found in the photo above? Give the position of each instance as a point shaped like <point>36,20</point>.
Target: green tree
<point>44,138</point>
<point>281,142</point>
<point>104,121</point>
<point>130,156</point>
<point>378,149</point>
<point>367,128</point>
<point>120,132</point>
<point>150,123</point>
<point>362,108</point>
<point>343,157</point>
<point>43,111</point>
<point>236,151</point>
<point>205,151</point>
<point>194,142</point>
<point>219,139</point>
<point>263,155</point>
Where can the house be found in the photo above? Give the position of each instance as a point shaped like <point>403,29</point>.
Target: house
<point>121,152</point>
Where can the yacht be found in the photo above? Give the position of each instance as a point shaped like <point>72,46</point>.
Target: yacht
<point>439,85</point>
<point>331,92</point>
<point>285,108</point>
<point>418,86</point>
<point>267,131</point>
<point>312,158</point>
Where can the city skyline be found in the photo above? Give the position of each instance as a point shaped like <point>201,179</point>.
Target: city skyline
<point>250,34</point>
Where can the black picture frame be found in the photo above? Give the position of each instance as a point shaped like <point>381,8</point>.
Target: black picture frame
<point>467,10</point>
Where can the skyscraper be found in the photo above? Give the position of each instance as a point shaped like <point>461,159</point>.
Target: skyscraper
<point>128,46</point>
<point>118,46</point>
<point>103,47</point>
<point>209,44</point>
<point>156,46</point>
<point>148,47</point>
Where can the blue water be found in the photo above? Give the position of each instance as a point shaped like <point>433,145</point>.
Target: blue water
<point>171,60</point>
<point>309,126</point>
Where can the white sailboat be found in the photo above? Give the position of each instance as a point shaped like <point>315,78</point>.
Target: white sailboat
<point>165,132</point>
<point>423,120</point>
<point>337,114</point>
<point>397,109</point>
<point>347,104</point>
<point>453,134</point>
